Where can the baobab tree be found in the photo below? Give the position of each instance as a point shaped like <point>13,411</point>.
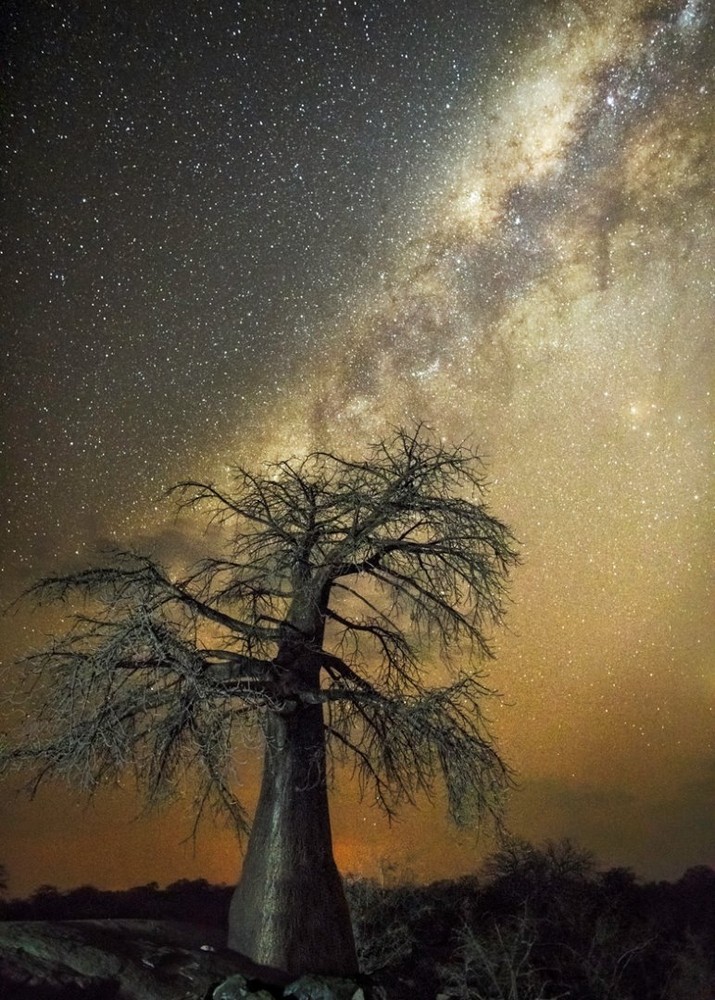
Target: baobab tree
<point>344,621</point>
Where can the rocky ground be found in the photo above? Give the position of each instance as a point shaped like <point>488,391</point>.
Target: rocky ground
<point>122,959</point>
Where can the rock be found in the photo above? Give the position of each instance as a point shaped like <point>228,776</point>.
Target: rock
<point>233,988</point>
<point>307,987</point>
<point>311,987</point>
<point>23,976</point>
<point>236,987</point>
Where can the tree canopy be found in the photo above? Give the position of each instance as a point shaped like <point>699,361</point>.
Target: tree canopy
<point>380,567</point>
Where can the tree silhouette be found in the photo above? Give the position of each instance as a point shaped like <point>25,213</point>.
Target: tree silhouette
<point>346,613</point>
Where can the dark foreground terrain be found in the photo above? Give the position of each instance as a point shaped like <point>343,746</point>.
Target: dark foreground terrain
<point>539,923</point>
<point>141,959</point>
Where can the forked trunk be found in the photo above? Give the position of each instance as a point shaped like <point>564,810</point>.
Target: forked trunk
<point>289,909</point>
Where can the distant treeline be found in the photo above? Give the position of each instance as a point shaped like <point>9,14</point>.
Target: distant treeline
<point>195,900</point>
<point>687,903</point>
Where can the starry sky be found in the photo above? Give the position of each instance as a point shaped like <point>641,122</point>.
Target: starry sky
<point>235,231</point>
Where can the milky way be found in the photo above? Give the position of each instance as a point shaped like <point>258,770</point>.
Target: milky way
<point>238,234</point>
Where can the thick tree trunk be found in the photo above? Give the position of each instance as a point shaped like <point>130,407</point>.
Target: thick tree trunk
<point>289,909</point>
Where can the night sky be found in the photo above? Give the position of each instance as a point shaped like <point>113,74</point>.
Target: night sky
<point>238,231</point>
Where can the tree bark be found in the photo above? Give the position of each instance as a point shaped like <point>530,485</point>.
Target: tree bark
<point>289,910</point>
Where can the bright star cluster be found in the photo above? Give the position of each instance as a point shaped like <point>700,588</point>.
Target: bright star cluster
<point>237,231</point>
